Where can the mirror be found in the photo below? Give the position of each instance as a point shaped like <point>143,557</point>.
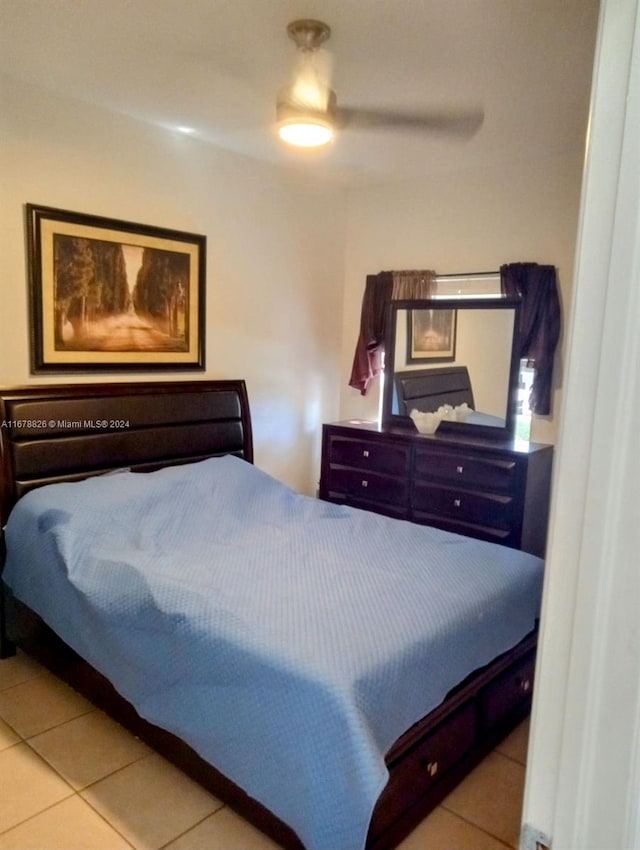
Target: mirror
<point>455,352</point>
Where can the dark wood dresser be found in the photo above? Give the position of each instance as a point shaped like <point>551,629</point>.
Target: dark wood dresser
<point>494,490</point>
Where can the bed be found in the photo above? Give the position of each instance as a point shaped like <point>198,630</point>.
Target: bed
<point>428,389</point>
<point>425,390</point>
<point>304,677</point>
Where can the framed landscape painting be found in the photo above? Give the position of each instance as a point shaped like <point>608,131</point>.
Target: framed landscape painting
<point>112,295</point>
<point>431,336</point>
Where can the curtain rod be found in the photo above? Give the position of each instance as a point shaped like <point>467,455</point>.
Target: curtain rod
<point>467,274</point>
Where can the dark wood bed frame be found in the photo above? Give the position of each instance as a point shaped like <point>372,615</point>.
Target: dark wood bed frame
<point>57,433</point>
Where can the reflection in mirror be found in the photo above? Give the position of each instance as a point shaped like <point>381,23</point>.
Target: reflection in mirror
<point>442,352</point>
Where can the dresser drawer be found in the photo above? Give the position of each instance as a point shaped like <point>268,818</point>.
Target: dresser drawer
<point>388,458</point>
<point>362,486</point>
<point>495,510</point>
<point>508,692</point>
<point>466,470</point>
<point>431,759</point>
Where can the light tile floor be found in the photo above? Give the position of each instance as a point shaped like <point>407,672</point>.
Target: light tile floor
<point>72,779</point>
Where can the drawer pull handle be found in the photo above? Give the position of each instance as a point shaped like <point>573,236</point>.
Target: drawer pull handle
<point>524,685</point>
<point>431,767</point>
<point>459,469</point>
<point>457,503</point>
<point>365,453</point>
<point>364,482</point>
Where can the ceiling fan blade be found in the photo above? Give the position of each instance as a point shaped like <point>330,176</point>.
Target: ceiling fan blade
<point>463,123</point>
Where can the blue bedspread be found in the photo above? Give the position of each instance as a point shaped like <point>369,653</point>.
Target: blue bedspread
<point>289,641</point>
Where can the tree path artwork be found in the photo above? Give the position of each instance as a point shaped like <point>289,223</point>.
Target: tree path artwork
<point>111,296</point>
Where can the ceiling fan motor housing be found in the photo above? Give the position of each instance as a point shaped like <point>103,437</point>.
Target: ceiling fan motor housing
<point>308,34</point>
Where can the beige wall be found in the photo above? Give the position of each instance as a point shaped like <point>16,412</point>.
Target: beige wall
<point>473,221</point>
<point>274,263</point>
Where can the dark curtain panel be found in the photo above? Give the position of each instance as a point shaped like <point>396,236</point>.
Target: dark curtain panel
<point>367,361</point>
<point>380,289</point>
<point>539,324</point>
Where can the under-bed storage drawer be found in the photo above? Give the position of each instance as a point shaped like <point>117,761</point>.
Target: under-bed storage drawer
<point>430,759</point>
<point>508,692</point>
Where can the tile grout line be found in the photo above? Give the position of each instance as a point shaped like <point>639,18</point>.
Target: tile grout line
<point>113,826</point>
<point>74,793</point>
<point>478,827</point>
<point>49,767</point>
<point>193,826</point>
<point>27,741</point>
<point>35,815</point>
<point>106,820</point>
<point>28,737</point>
<point>511,759</point>
<point>22,739</point>
<point>37,674</point>
<point>57,803</point>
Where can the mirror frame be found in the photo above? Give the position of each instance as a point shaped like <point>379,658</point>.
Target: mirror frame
<point>392,420</point>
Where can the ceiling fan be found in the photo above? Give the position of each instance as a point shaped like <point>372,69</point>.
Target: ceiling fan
<point>307,111</point>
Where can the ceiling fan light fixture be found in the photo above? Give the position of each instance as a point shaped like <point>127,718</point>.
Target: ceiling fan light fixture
<point>306,132</point>
<point>304,127</point>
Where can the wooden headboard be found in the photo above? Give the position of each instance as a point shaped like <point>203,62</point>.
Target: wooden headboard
<point>428,389</point>
<point>52,433</point>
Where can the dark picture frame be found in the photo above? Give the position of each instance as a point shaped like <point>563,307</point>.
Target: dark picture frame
<point>113,295</point>
<point>431,336</point>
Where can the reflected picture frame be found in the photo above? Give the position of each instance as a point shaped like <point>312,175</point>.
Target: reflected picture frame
<point>431,336</point>
<point>113,295</point>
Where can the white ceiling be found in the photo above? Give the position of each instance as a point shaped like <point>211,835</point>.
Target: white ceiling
<point>216,65</point>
